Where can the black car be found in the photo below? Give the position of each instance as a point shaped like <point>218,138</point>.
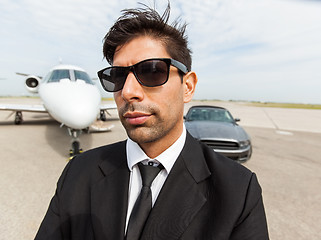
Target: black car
<point>216,127</point>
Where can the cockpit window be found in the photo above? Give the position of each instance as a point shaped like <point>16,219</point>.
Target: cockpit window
<point>73,75</point>
<point>57,75</point>
<point>80,75</point>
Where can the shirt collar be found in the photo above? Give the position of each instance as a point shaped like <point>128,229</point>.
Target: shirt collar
<point>167,158</point>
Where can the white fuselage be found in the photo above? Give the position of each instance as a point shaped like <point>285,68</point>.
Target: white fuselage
<point>72,103</point>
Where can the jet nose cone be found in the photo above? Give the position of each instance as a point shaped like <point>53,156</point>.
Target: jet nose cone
<point>74,104</point>
<point>83,112</point>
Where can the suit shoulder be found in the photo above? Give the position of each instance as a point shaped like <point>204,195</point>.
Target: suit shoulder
<point>106,149</point>
<point>231,179</point>
<point>223,171</point>
<point>214,161</point>
<point>88,163</point>
<point>96,155</point>
<point>220,164</point>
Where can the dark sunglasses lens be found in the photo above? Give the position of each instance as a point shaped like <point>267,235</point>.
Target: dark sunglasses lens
<point>114,78</point>
<point>152,73</point>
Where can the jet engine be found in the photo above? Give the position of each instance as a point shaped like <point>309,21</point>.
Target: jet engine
<point>32,83</point>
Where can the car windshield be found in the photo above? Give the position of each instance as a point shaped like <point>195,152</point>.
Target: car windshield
<point>209,114</point>
<point>80,75</point>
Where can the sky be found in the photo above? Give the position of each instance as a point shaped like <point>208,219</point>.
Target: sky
<point>249,50</point>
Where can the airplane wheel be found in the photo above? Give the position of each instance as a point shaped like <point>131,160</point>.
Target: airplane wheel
<point>75,148</point>
<point>18,118</point>
<point>102,116</point>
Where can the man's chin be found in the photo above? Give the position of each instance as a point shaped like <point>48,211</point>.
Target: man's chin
<point>142,135</point>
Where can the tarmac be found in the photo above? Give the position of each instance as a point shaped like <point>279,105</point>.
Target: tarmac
<point>286,159</point>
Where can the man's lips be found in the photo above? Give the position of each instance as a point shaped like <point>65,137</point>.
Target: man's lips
<point>136,118</point>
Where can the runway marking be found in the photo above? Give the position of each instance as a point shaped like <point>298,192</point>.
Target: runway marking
<point>284,133</point>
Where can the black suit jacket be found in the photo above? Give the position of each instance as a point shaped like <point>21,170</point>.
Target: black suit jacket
<point>206,196</point>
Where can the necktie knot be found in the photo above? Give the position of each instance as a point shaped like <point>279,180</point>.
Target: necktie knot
<point>149,173</point>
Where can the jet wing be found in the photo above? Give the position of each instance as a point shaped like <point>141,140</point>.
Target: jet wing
<point>41,108</point>
<point>23,108</point>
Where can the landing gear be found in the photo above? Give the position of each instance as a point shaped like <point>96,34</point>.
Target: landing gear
<point>102,115</point>
<point>75,145</point>
<point>75,149</point>
<point>18,118</point>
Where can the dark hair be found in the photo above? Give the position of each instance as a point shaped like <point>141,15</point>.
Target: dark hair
<point>147,22</point>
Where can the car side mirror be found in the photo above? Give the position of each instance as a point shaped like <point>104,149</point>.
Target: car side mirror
<point>186,119</point>
<point>237,120</point>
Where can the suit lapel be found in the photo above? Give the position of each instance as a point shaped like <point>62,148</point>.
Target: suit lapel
<point>110,197</point>
<point>181,197</point>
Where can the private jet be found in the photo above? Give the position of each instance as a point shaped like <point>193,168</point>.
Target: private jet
<point>69,96</point>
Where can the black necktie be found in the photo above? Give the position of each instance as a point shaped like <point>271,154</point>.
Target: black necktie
<point>143,204</point>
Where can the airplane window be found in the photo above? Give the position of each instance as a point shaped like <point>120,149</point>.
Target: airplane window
<point>83,76</point>
<point>57,75</point>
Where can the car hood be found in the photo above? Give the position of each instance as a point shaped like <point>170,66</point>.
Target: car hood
<point>216,130</point>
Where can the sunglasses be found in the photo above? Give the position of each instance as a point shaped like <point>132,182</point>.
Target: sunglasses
<point>150,73</point>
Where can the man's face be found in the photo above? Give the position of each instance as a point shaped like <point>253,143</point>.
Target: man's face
<point>149,114</point>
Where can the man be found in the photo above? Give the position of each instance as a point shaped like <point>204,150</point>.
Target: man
<point>197,194</point>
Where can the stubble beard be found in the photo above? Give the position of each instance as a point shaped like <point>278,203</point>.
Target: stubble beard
<point>152,131</point>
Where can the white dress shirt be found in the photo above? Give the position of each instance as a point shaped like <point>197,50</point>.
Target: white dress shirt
<point>135,155</point>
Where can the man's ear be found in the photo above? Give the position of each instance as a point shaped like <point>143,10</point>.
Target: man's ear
<point>189,81</point>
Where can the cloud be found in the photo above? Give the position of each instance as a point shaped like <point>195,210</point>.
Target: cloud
<point>257,43</point>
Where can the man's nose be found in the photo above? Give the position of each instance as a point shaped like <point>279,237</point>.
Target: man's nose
<point>132,90</point>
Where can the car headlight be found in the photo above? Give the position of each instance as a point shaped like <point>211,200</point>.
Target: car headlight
<point>244,144</point>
